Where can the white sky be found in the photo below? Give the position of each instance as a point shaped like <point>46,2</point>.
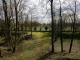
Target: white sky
<point>39,8</point>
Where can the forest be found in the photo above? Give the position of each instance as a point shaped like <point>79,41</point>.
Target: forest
<point>39,29</point>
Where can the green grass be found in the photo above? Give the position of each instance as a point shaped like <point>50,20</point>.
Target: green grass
<point>1,40</point>
<point>40,45</point>
<point>31,49</point>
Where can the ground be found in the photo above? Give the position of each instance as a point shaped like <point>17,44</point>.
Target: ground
<point>74,55</point>
<point>39,46</point>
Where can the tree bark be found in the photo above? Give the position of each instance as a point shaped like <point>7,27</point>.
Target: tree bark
<point>73,30</point>
<point>52,25</point>
<point>61,27</point>
<point>16,30</point>
<point>7,23</point>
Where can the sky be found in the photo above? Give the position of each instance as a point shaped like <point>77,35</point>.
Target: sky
<point>40,9</point>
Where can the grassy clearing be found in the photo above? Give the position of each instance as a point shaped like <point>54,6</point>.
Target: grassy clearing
<point>40,45</point>
<point>75,54</point>
<point>31,49</point>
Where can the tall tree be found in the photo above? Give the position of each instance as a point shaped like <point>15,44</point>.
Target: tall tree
<point>61,27</point>
<point>73,29</point>
<point>52,25</point>
<point>16,30</point>
<point>7,22</point>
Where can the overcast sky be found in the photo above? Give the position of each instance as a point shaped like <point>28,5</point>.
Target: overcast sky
<point>41,8</point>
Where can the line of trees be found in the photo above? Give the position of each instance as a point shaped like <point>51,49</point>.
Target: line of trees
<point>13,13</point>
<point>72,18</point>
<point>12,10</point>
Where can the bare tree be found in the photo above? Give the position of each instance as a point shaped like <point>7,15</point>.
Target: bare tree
<point>7,23</point>
<point>73,29</point>
<point>52,25</point>
<point>61,27</point>
<point>17,24</point>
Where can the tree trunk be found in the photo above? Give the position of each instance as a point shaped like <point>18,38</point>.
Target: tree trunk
<point>73,29</point>
<point>61,27</point>
<point>52,18</point>
<point>16,30</point>
<point>7,23</point>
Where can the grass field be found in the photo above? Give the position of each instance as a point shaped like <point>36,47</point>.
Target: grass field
<point>74,55</point>
<point>31,49</point>
<point>39,46</point>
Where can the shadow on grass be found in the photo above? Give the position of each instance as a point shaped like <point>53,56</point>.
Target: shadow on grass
<point>66,59</point>
<point>45,56</point>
